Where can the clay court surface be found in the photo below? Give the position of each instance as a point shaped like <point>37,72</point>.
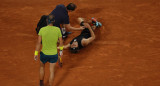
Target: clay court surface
<point>126,51</point>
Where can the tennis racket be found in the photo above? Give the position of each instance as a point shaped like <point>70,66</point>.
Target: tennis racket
<point>60,61</point>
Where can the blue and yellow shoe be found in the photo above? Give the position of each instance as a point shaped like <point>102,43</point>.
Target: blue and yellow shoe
<point>96,23</point>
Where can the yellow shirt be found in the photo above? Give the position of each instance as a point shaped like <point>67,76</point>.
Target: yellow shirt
<point>50,35</point>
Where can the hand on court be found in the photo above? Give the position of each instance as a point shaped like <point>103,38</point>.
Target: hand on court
<point>35,57</point>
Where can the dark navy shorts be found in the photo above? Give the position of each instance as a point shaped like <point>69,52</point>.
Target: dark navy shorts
<point>48,58</point>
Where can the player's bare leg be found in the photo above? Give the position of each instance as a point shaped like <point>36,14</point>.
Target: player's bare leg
<point>80,19</point>
<point>93,27</point>
<point>52,66</point>
<point>42,67</point>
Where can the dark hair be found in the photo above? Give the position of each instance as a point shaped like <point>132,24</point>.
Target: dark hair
<point>51,18</point>
<point>74,50</point>
<point>71,6</point>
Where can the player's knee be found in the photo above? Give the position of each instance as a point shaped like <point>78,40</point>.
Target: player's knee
<point>41,68</point>
<point>80,19</point>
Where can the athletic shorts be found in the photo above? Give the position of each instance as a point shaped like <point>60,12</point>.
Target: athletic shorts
<point>48,58</point>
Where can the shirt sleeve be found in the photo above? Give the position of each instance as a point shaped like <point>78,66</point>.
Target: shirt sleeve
<point>40,32</point>
<point>59,33</point>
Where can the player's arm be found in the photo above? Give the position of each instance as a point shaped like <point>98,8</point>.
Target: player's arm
<point>60,42</point>
<point>90,39</point>
<point>38,45</point>
<point>65,46</point>
<point>69,27</point>
<point>67,24</point>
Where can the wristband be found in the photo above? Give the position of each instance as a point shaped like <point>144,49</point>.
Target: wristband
<point>36,53</point>
<point>61,48</point>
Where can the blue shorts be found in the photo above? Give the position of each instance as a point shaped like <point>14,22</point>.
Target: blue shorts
<point>48,58</point>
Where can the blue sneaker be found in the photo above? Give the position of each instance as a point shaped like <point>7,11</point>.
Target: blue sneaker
<point>96,23</point>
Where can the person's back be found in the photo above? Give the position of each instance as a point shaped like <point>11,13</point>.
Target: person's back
<point>61,15</point>
<point>50,35</point>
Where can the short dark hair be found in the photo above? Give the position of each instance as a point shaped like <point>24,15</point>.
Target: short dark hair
<point>71,6</point>
<point>51,18</point>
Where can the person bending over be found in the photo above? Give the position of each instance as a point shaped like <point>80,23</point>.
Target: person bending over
<point>61,19</point>
<point>61,16</point>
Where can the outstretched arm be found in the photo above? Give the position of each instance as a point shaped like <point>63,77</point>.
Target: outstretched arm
<point>69,27</point>
<point>90,39</point>
<point>65,46</point>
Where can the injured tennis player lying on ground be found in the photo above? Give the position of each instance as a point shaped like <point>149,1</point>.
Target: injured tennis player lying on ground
<point>86,37</point>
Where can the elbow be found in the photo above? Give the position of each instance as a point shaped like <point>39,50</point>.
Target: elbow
<point>94,37</point>
<point>68,27</point>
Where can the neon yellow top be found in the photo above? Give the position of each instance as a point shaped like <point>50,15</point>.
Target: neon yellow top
<point>50,35</point>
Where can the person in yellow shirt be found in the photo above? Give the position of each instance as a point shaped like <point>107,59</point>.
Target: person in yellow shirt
<point>49,35</point>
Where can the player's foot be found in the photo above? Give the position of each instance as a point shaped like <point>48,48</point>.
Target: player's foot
<point>96,23</point>
<point>65,33</point>
<point>63,30</point>
<point>41,83</point>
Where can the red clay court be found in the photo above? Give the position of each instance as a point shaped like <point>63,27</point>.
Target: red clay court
<point>126,51</point>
